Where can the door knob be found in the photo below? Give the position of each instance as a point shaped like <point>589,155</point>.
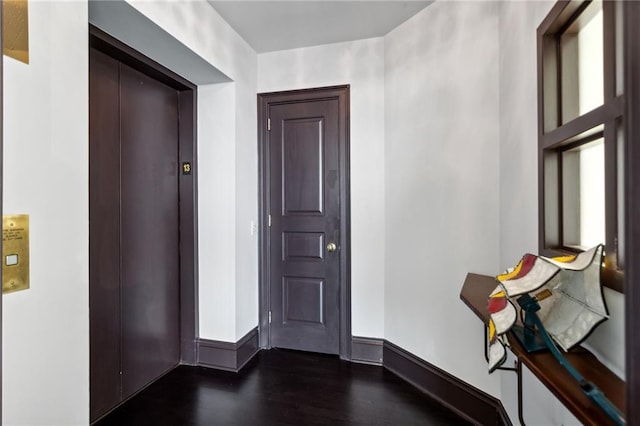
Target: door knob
<point>331,247</point>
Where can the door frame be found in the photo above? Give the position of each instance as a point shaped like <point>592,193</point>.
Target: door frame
<point>187,184</point>
<point>265,101</point>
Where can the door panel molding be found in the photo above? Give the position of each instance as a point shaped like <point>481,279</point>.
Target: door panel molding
<point>265,101</point>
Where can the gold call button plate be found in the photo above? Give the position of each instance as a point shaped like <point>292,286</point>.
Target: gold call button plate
<point>15,253</point>
<point>15,29</point>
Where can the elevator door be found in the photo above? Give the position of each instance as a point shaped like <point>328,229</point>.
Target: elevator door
<point>133,235</point>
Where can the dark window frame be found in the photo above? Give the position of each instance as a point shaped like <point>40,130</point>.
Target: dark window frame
<point>631,51</point>
<point>554,137</point>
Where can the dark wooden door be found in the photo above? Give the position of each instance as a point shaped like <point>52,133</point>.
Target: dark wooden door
<point>305,196</point>
<point>133,231</point>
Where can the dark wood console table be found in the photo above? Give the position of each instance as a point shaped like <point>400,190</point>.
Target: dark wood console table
<point>475,294</point>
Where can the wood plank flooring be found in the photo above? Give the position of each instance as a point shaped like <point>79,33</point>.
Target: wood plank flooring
<point>281,387</point>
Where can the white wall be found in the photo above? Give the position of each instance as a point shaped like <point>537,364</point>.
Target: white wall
<point>519,197</point>
<point>227,167</point>
<point>216,211</point>
<point>519,129</point>
<point>360,64</point>
<point>246,157</point>
<point>518,173</point>
<point>45,369</point>
<point>442,181</point>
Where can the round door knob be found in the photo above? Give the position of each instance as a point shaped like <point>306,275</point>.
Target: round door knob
<point>331,247</point>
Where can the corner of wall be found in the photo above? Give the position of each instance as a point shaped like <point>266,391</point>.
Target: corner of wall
<point>442,179</point>
<point>247,220</point>
<point>217,210</point>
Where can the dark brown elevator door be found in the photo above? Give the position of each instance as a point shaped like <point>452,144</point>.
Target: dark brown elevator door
<point>305,214</point>
<point>133,230</point>
<point>104,229</point>
<point>149,234</point>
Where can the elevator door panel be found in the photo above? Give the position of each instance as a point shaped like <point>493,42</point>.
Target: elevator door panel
<point>149,235</point>
<point>133,235</point>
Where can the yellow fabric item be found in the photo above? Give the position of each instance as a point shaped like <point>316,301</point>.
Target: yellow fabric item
<point>499,294</point>
<point>564,259</point>
<point>492,330</point>
<point>509,275</point>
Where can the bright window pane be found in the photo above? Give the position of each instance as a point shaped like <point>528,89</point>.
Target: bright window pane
<point>583,195</point>
<point>620,187</point>
<point>582,64</point>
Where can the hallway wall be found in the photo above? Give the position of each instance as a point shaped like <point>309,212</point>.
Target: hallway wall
<point>442,181</point>
<point>45,365</point>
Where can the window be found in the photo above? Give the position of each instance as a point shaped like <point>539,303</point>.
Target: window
<point>582,63</point>
<point>580,132</point>
<point>583,218</point>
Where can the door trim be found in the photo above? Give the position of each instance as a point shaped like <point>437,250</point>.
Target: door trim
<point>265,100</point>
<point>187,185</point>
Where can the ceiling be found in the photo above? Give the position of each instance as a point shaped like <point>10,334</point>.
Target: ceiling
<point>278,25</point>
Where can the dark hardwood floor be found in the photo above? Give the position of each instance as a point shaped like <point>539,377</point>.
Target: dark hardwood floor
<point>281,387</point>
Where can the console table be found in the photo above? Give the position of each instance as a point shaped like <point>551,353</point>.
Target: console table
<point>475,294</point>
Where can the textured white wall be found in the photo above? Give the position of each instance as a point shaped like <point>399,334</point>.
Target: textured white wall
<point>442,181</point>
<point>519,197</point>
<point>360,64</point>
<point>45,365</point>
<point>519,129</point>
<point>246,157</point>
<point>227,164</point>
<point>198,26</point>
<point>216,211</point>
<point>518,173</point>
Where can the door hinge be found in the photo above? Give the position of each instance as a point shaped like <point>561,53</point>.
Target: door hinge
<point>269,317</point>
<point>269,221</point>
<point>268,124</point>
